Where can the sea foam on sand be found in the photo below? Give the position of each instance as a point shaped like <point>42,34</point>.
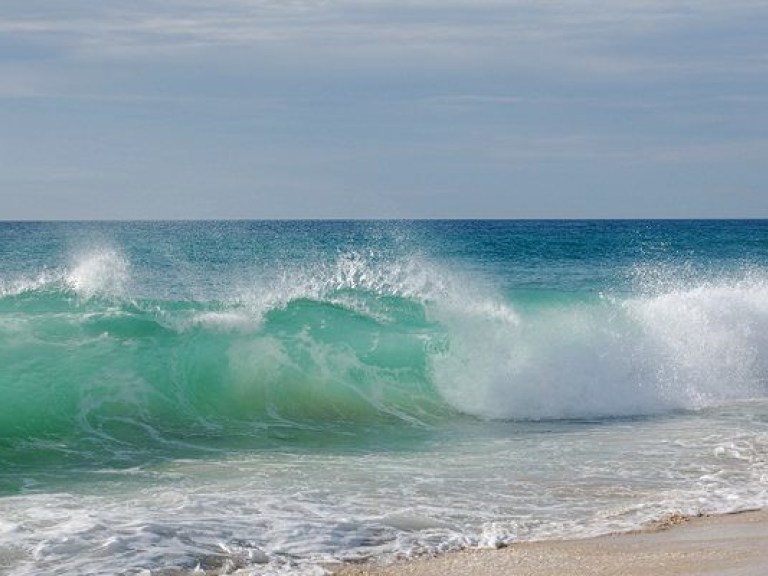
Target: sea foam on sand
<point>730,544</point>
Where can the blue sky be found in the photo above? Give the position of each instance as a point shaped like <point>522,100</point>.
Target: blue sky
<point>383,109</point>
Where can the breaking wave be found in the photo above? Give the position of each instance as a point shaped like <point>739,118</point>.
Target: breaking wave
<point>359,340</point>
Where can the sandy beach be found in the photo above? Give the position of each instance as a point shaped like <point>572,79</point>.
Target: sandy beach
<point>732,544</point>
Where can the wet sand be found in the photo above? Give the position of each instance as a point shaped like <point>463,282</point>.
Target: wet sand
<point>728,545</point>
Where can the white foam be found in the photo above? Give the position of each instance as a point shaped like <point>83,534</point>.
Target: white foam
<point>221,321</point>
<point>16,286</point>
<point>102,271</point>
<point>286,512</point>
<point>97,271</point>
<point>686,348</point>
<point>710,342</point>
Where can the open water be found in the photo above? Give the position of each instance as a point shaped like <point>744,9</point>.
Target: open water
<point>279,395</point>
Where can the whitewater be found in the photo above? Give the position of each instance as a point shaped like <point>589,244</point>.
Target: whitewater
<point>276,397</point>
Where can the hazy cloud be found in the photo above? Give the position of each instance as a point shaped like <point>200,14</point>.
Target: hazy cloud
<point>341,107</point>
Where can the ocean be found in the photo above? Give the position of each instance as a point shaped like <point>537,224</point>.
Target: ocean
<point>275,396</point>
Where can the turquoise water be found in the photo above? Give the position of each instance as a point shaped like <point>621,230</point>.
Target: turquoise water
<point>281,394</point>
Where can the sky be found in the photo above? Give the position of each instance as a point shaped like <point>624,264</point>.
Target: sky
<point>189,109</point>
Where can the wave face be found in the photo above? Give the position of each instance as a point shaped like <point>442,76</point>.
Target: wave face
<point>127,336</point>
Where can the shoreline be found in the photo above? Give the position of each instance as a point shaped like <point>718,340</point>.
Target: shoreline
<point>733,544</point>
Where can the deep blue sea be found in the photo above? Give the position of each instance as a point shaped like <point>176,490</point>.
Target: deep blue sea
<point>272,396</point>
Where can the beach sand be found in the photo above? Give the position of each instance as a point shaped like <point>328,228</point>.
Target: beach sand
<point>731,544</point>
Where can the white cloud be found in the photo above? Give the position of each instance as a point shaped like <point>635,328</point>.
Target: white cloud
<point>149,25</point>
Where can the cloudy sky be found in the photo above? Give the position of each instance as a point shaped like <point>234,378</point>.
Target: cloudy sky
<point>383,108</point>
